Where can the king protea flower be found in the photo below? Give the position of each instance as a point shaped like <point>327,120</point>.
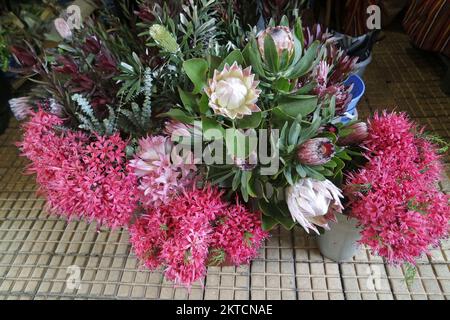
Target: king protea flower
<point>314,203</point>
<point>315,152</point>
<point>233,92</point>
<point>282,37</point>
<point>358,135</point>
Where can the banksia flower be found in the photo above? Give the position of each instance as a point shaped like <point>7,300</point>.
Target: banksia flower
<point>358,135</point>
<point>233,92</point>
<point>313,203</point>
<point>164,38</point>
<point>315,152</point>
<point>282,37</point>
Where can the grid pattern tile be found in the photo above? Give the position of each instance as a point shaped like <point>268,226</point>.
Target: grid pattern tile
<point>44,257</point>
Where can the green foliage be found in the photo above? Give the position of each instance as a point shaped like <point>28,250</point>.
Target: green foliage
<point>89,121</point>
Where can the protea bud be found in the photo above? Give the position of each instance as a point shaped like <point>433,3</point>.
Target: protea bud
<point>233,92</point>
<point>312,202</point>
<point>315,152</point>
<point>23,56</point>
<point>282,37</point>
<point>164,38</point>
<point>331,128</point>
<point>358,135</point>
<point>91,45</point>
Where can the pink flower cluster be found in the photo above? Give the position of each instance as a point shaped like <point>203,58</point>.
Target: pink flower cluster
<point>395,197</point>
<point>193,229</point>
<point>81,176</point>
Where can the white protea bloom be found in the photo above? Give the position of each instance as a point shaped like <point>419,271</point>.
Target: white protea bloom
<point>313,203</point>
<point>281,35</point>
<point>233,92</point>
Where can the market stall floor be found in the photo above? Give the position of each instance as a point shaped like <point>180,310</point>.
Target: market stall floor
<point>44,257</point>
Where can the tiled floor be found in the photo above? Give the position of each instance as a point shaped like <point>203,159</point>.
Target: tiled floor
<point>43,257</point>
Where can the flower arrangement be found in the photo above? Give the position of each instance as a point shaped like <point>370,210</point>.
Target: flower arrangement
<point>200,137</point>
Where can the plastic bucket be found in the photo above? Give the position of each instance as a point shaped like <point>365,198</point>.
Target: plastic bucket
<point>357,91</point>
<point>360,67</point>
<point>340,243</point>
<point>347,117</point>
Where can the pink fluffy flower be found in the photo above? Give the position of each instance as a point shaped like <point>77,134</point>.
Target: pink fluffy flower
<point>162,173</point>
<point>394,196</point>
<point>181,233</point>
<point>81,177</point>
<point>238,234</point>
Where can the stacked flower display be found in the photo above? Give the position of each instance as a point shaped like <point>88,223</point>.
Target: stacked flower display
<point>200,138</point>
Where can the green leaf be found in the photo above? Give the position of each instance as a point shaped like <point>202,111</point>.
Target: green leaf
<point>234,56</point>
<point>270,53</point>
<point>306,88</point>
<point>188,99</point>
<point>294,133</point>
<point>305,64</point>
<point>203,104</point>
<point>212,130</point>
<point>252,57</point>
<point>300,170</point>
<point>343,155</point>
<point>276,213</point>
<point>268,223</point>
<point>282,85</point>
<point>236,180</point>
<point>288,175</point>
<point>295,105</point>
<point>196,69</point>
<point>214,63</point>
<point>251,121</point>
<point>284,21</point>
<point>179,115</point>
<point>314,174</point>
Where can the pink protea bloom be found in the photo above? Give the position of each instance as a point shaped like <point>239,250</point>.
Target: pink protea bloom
<point>233,92</point>
<point>282,37</point>
<point>315,152</point>
<point>357,135</point>
<point>160,178</point>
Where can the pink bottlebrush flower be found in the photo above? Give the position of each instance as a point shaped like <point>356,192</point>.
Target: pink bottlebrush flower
<point>239,234</point>
<point>160,178</point>
<point>81,177</point>
<point>358,134</point>
<point>315,152</point>
<point>316,32</point>
<point>394,196</point>
<point>180,234</point>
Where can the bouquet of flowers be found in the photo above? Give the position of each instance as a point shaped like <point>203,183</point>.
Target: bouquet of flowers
<point>201,137</point>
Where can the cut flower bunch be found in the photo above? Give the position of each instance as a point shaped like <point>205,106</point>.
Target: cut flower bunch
<point>200,136</point>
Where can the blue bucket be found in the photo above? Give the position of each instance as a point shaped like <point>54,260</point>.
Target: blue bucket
<point>348,116</point>
<point>357,90</point>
